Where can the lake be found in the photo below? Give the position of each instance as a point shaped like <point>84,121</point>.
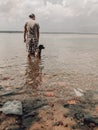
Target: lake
<point>67,58</point>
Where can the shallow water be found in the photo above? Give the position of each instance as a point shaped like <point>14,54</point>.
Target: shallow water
<point>68,60</point>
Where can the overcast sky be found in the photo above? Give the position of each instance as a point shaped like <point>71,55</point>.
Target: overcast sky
<point>52,15</point>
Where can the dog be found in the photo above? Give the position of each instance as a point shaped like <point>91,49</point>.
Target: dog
<point>38,52</point>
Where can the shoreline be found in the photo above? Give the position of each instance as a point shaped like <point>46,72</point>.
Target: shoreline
<point>46,108</point>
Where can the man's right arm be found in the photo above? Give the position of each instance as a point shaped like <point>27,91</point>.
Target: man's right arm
<point>25,32</point>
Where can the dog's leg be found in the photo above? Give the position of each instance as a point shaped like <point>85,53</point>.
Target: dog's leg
<point>39,54</point>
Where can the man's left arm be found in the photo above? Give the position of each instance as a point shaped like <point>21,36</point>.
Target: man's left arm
<point>38,32</point>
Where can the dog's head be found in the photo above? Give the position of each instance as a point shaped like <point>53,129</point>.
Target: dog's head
<point>41,47</point>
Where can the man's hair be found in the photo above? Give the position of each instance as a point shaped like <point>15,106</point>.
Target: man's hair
<point>32,15</point>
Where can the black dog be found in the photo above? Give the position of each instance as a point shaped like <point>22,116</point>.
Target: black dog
<point>38,53</point>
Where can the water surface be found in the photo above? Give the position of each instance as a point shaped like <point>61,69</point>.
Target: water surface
<point>67,58</point>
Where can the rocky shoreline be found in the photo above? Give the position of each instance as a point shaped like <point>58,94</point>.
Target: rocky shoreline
<point>47,111</point>
<point>46,102</point>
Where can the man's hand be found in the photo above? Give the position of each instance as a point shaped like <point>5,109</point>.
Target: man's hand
<point>24,39</point>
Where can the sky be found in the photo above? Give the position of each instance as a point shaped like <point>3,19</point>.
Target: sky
<point>52,15</point>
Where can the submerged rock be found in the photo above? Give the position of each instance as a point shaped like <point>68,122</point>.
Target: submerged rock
<point>1,87</point>
<point>10,92</point>
<point>12,107</point>
<point>78,92</point>
<point>49,94</point>
<point>79,116</point>
<point>66,105</point>
<point>89,120</point>
<point>33,114</point>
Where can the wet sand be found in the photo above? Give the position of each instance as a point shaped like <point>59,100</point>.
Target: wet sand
<point>57,92</point>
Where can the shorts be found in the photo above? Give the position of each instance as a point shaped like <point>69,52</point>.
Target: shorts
<point>32,45</point>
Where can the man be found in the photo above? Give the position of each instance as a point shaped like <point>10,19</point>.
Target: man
<point>31,35</point>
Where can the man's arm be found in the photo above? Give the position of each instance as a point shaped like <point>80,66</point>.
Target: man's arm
<point>25,32</point>
<point>38,33</point>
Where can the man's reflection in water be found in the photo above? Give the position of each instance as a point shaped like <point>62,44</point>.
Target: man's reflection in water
<point>33,73</point>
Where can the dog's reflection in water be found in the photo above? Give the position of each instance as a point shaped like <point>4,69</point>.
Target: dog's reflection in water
<point>33,73</point>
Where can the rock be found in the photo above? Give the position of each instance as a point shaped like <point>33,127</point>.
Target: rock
<point>66,125</point>
<point>91,125</point>
<point>65,115</point>
<point>72,102</point>
<point>51,104</point>
<point>91,120</point>
<point>33,105</point>
<point>6,78</point>
<point>66,105</point>
<point>73,127</point>
<point>49,94</point>
<point>10,92</point>
<point>78,92</point>
<point>34,113</point>
<point>46,107</point>
<point>1,87</point>
<point>12,107</point>
<point>58,123</point>
<point>79,116</point>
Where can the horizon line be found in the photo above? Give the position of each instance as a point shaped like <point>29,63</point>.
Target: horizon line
<point>10,31</point>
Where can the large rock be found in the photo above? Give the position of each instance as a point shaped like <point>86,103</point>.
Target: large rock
<point>12,107</point>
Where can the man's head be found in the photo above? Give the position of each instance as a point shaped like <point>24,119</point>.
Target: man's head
<point>32,16</point>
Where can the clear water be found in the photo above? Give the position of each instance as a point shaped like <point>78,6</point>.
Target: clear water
<point>69,58</point>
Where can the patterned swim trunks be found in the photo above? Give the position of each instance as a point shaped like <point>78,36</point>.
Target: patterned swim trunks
<point>32,45</point>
